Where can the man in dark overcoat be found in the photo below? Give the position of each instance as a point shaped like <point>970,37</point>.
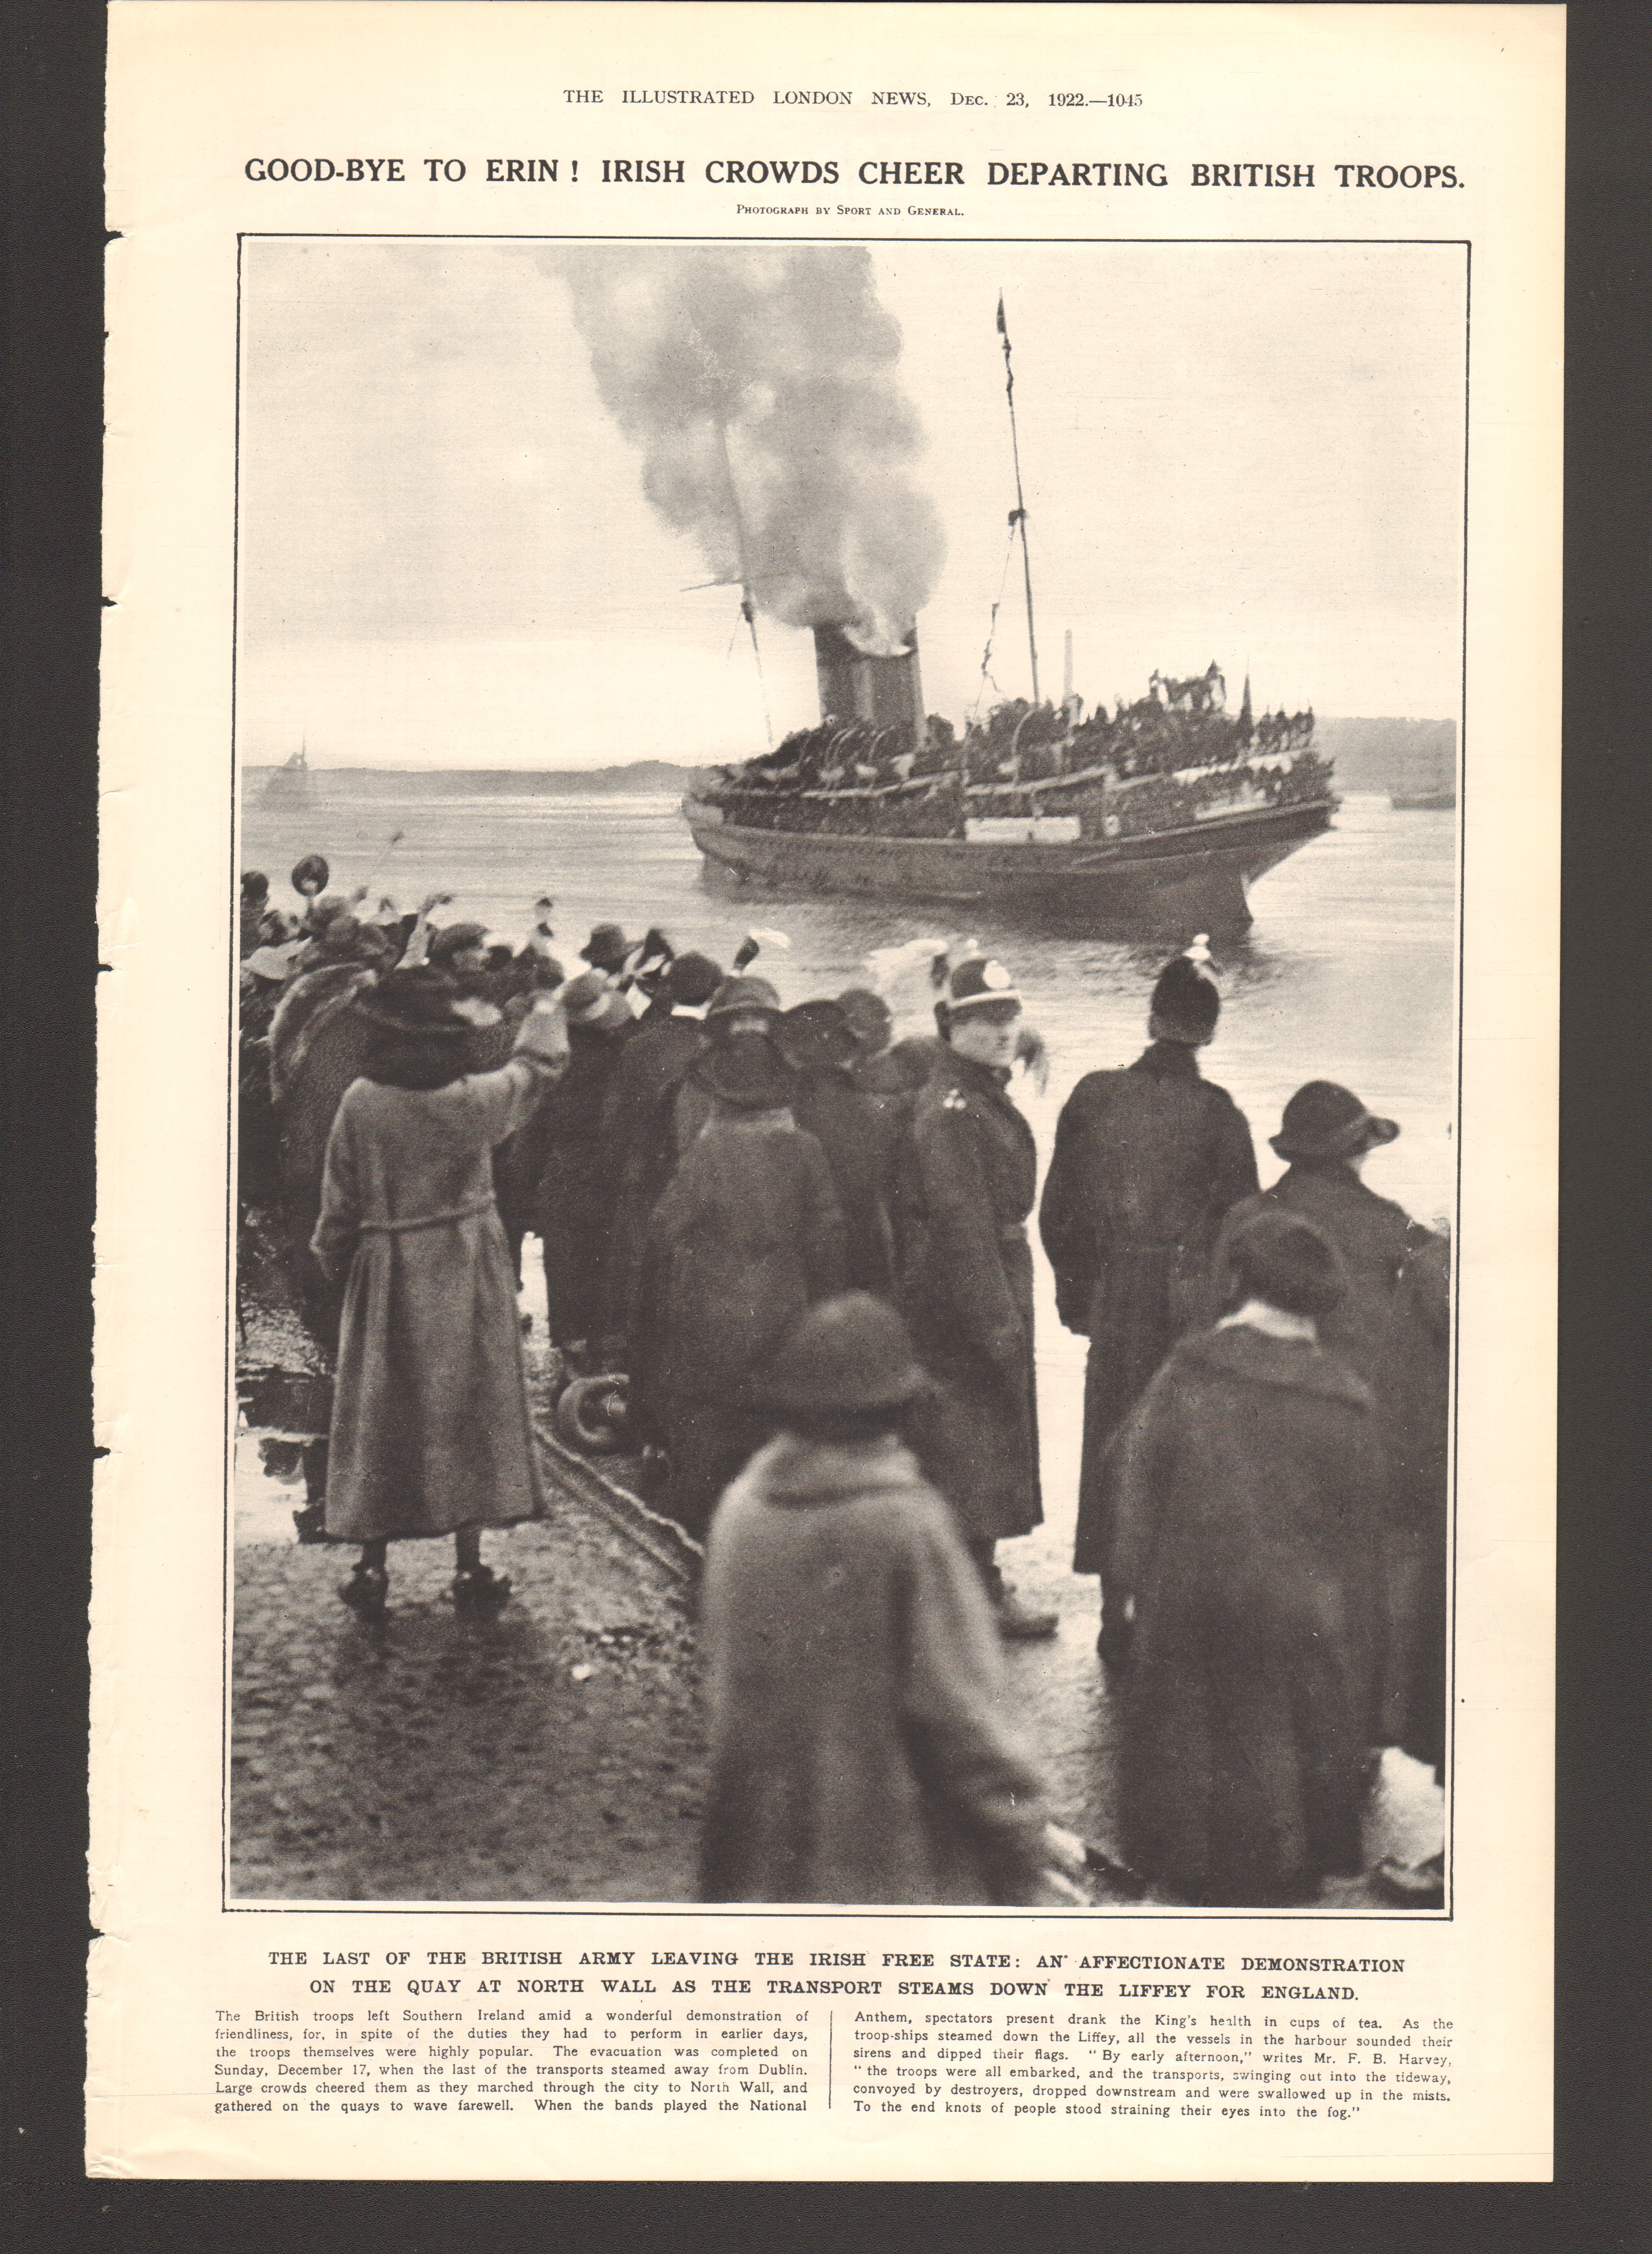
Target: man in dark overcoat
<point>969,1171</point>
<point>1245,1541</point>
<point>1147,1161</point>
<point>651,1065</point>
<point>573,1202</point>
<point>1391,1329</point>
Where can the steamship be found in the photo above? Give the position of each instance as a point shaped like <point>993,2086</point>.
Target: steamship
<point>1157,818</point>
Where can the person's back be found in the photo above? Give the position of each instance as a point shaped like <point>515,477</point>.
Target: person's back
<point>636,1123</point>
<point>1146,1162</point>
<point>1325,1136</point>
<point>748,1232</point>
<point>854,1681</point>
<point>1245,1543</point>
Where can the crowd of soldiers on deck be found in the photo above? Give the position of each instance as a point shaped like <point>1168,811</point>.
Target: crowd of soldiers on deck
<point>806,1243</point>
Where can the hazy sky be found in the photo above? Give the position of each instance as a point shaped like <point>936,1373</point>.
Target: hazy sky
<point>1229,451</point>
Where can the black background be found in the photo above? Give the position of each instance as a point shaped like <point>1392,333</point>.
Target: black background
<point>52,73</point>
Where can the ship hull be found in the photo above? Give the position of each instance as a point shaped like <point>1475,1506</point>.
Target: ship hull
<point>1193,878</point>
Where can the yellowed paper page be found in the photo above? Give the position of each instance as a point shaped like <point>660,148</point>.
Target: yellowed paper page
<point>560,458</point>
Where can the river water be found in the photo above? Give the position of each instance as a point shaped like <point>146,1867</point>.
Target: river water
<point>1348,973</point>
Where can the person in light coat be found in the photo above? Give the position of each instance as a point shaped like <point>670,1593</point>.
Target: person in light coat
<point>430,1432</point>
<point>861,1748</point>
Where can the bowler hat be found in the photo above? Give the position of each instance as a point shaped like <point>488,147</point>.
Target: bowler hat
<point>1279,1258</point>
<point>1186,1003</point>
<point>746,1072</point>
<point>978,980</point>
<point>844,1353</point>
<point>607,947</point>
<point>589,1000</point>
<point>417,1001</point>
<point>692,980</point>
<point>1324,1121</point>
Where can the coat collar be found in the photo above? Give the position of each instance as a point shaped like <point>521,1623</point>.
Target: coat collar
<point>1169,1060</point>
<point>975,1079</point>
<point>1242,1352</point>
<point>794,1471</point>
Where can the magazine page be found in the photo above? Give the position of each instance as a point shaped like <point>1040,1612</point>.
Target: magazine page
<point>827,1143</point>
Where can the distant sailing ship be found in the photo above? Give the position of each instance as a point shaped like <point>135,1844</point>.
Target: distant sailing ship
<point>1158,818</point>
<point>293,784</point>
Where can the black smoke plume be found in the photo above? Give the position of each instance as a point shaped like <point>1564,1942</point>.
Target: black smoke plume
<point>758,385</point>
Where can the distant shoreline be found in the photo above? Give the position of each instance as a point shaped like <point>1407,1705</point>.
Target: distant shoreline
<point>1370,755</point>
<point>455,782</point>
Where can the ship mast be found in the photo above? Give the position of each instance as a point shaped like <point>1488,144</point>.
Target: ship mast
<point>748,608</point>
<point>1017,515</point>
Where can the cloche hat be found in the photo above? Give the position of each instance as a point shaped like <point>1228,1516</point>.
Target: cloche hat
<point>1324,1121</point>
<point>736,996</point>
<point>456,939</point>
<point>847,1352</point>
<point>590,1000</point>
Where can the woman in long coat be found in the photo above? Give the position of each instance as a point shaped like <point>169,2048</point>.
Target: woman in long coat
<point>969,1173</point>
<point>859,1749</point>
<point>1245,1540</point>
<point>431,1430</point>
<point>747,1234</point>
<point>1146,1163</point>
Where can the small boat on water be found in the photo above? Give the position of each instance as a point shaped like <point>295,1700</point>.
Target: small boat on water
<point>1156,818</point>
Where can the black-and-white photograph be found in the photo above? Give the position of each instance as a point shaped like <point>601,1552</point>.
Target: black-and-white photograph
<point>848,1072</point>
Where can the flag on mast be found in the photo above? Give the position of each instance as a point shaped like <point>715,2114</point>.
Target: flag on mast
<point>1002,331</point>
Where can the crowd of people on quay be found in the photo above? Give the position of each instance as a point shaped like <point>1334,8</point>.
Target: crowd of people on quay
<point>809,1246</point>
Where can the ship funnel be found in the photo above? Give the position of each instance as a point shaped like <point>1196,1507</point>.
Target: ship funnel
<point>884,690</point>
